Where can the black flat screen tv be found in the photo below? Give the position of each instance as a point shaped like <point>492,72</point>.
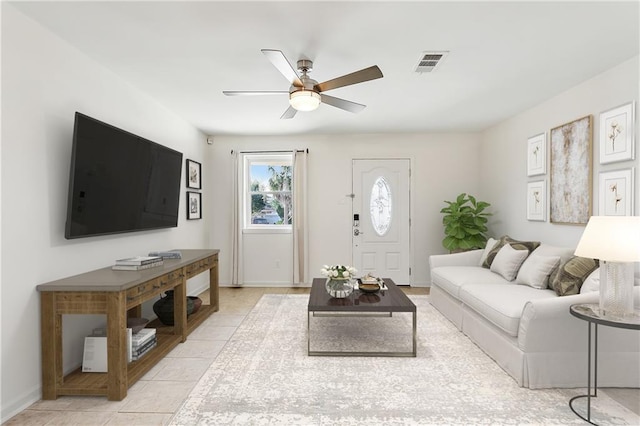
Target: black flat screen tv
<point>119,182</point>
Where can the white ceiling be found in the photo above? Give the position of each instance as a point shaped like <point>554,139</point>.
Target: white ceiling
<point>505,57</point>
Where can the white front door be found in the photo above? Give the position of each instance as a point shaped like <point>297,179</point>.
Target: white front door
<point>380,219</point>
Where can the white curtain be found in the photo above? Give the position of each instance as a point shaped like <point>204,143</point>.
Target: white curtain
<point>236,222</point>
<point>300,221</point>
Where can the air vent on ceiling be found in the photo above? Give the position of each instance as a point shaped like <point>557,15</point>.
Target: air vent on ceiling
<point>430,60</point>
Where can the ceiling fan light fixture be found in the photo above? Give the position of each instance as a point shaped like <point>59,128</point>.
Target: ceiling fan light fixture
<point>304,100</point>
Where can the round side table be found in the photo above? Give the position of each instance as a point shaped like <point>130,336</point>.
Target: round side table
<point>591,313</point>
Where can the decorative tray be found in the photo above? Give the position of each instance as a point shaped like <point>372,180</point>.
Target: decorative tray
<point>370,284</point>
<point>369,288</point>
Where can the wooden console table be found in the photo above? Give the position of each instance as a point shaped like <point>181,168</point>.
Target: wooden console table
<point>119,295</point>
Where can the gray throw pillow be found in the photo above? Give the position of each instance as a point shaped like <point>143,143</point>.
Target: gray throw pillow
<point>569,276</point>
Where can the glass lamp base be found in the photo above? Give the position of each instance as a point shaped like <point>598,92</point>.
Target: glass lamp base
<point>616,288</point>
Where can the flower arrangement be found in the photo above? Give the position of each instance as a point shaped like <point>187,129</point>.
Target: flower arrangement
<point>338,271</point>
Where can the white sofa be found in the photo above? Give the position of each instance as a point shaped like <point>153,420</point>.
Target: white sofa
<point>528,331</point>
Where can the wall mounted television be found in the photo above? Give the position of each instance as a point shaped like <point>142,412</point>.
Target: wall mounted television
<point>119,182</point>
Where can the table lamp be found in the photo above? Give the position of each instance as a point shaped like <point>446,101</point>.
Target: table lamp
<point>615,241</point>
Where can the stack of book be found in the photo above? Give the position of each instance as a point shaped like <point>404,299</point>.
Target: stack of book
<point>137,263</point>
<point>142,342</point>
<point>171,254</point>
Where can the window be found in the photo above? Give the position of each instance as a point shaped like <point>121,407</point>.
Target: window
<point>380,206</point>
<point>268,203</point>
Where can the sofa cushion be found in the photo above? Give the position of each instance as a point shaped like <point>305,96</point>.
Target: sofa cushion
<point>535,271</point>
<point>452,278</point>
<point>592,282</point>
<point>507,262</point>
<point>570,275</point>
<point>518,245</point>
<point>502,305</point>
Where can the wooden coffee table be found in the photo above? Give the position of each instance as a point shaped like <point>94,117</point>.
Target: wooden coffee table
<point>388,301</point>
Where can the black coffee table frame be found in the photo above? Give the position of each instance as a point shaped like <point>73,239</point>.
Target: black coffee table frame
<point>388,301</point>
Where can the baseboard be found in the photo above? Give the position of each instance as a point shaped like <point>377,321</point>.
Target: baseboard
<point>299,285</point>
<point>197,290</point>
<point>268,284</point>
<point>20,404</point>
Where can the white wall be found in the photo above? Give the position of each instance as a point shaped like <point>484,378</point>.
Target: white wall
<point>503,153</point>
<point>268,258</point>
<point>44,81</point>
<point>442,167</point>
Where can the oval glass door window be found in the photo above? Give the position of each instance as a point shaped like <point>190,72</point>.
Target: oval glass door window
<point>380,206</point>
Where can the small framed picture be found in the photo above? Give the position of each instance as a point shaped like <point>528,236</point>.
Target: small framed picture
<point>617,134</point>
<point>537,200</point>
<point>194,205</point>
<point>194,171</point>
<point>537,155</point>
<point>616,193</point>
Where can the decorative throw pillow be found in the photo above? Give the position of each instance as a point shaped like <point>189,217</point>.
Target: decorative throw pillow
<point>508,261</point>
<point>592,282</point>
<point>535,271</point>
<point>518,245</point>
<point>569,276</point>
<point>490,243</point>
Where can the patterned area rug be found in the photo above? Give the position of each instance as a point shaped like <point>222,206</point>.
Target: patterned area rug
<point>263,376</point>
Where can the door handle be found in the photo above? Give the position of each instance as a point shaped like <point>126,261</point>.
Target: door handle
<point>357,232</point>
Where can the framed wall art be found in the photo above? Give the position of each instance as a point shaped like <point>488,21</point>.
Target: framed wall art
<point>616,193</point>
<point>617,134</point>
<point>194,205</point>
<point>537,200</point>
<point>194,171</point>
<point>571,162</point>
<point>537,155</point>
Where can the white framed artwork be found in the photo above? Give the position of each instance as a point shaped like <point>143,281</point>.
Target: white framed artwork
<point>537,155</point>
<point>616,193</point>
<point>537,200</point>
<point>617,134</point>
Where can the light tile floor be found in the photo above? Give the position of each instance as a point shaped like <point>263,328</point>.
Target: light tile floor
<point>158,395</point>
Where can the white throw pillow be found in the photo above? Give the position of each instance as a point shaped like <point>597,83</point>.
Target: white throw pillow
<point>507,262</point>
<point>592,282</point>
<point>565,253</point>
<point>535,271</point>
<point>490,243</point>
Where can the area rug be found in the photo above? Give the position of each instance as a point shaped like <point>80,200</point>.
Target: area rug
<point>263,376</point>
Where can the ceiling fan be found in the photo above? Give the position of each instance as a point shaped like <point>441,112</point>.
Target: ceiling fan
<point>306,94</point>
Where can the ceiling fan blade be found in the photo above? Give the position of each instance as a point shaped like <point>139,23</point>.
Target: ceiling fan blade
<point>366,74</point>
<point>278,59</point>
<point>342,103</point>
<point>252,93</point>
<point>289,113</point>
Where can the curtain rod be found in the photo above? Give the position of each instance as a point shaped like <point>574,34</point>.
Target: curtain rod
<point>270,152</point>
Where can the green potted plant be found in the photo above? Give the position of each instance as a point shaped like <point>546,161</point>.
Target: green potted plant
<point>465,223</point>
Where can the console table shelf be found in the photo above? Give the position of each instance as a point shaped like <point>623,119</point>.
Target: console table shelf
<point>118,295</point>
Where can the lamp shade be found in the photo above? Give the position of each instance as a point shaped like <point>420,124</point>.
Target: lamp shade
<point>304,100</point>
<point>611,238</point>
